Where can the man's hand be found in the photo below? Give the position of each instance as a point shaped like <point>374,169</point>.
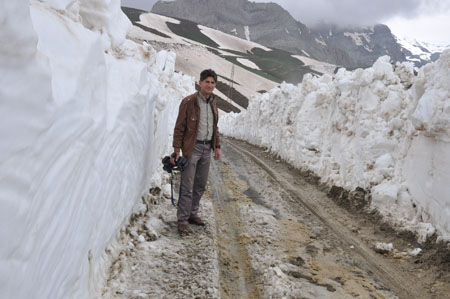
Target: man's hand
<point>217,154</point>
<point>172,160</point>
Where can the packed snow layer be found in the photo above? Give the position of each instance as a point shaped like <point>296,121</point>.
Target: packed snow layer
<point>366,128</point>
<point>85,117</point>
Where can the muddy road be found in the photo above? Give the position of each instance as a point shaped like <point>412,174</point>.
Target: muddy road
<point>272,233</point>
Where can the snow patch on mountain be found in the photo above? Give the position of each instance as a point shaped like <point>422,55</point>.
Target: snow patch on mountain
<point>319,66</point>
<point>248,63</point>
<point>226,41</point>
<point>319,41</point>
<point>369,129</point>
<point>418,51</point>
<point>247,33</point>
<point>357,39</point>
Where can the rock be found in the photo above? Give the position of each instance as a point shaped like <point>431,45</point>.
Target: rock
<point>297,261</point>
<point>383,248</point>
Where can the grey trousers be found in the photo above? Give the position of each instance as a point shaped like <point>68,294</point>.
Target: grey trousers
<point>193,183</point>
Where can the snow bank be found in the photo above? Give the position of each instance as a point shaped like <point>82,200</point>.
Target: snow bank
<point>367,128</point>
<point>85,117</point>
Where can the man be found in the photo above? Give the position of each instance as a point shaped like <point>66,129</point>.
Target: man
<point>196,134</point>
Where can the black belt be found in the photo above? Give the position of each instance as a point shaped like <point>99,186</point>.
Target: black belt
<point>204,141</point>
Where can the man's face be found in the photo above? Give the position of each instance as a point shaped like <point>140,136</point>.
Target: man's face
<point>207,86</point>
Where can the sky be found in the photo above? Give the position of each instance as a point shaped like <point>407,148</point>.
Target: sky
<point>424,20</point>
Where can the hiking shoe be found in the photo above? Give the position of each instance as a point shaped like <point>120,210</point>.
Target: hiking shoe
<point>196,221</point>
<point>183,229</point>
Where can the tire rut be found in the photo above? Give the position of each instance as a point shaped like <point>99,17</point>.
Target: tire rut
<point>237,277</point>
<point>384,272</point>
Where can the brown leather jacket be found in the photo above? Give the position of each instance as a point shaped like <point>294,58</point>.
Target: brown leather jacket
<point>186,127</point>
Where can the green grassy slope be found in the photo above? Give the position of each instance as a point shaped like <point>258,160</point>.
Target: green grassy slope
<point>191,31</point>
<point>276,65</point>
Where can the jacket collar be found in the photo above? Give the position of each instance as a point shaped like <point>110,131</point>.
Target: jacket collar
<point>212,97</point>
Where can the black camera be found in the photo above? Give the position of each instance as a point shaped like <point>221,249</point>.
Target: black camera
<point>180,164</point>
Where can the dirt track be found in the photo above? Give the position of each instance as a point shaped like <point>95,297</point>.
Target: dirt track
<point>272,233</point>
<point>350,236</point>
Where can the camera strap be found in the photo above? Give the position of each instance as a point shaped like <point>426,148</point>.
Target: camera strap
<point>171,190</point>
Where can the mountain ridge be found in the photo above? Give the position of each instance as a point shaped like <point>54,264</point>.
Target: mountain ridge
<point>266,23</point>
<point>271,25</point>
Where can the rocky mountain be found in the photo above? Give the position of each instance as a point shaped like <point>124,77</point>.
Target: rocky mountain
<point>271,25</point>
<point>265,23</point>
<point>419,52</point>
<point>363,45</point>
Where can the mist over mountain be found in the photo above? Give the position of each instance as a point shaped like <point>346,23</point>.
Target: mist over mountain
<point>271,25</point>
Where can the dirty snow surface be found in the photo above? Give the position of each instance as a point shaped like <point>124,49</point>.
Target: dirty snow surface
<point>157,263</point>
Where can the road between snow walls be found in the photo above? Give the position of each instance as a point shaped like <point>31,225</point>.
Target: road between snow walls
<point>86,115</point>
<point>85,118</point>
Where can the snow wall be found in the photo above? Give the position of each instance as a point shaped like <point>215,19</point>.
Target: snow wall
<point>382,129</point>
<point>85,117</point>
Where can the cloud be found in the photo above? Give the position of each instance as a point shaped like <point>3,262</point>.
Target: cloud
<point>343,12</point>
<point>359,12</point>
<point>428,28</point>
<point>140,4</point>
